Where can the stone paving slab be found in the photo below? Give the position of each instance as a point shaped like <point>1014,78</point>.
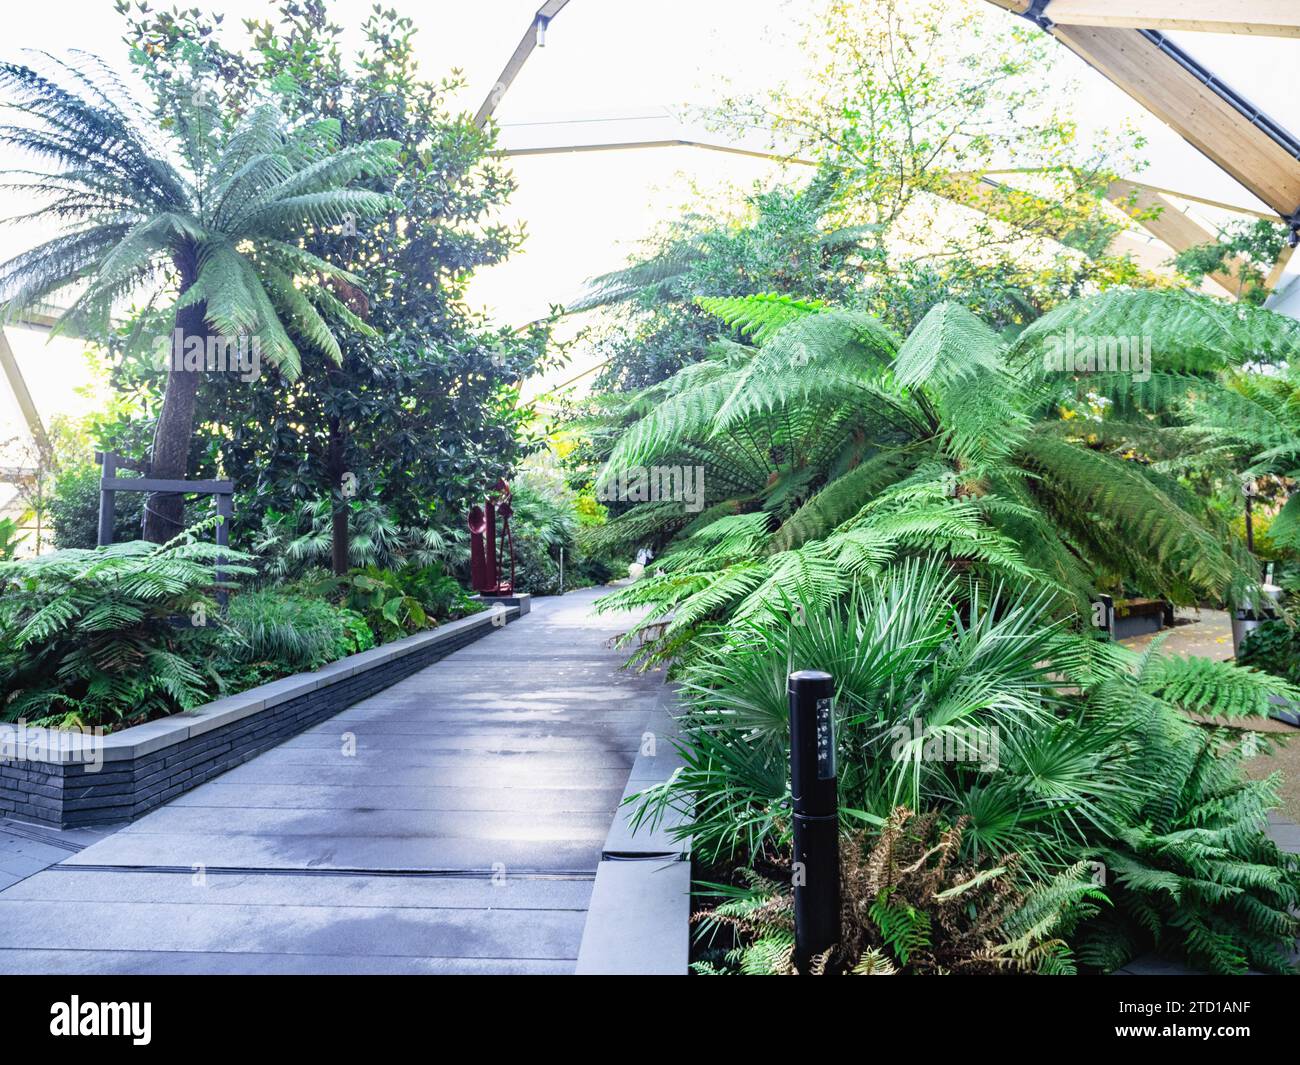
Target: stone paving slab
<point>220,795</point>
<point>350,772</point>
<point>249,850</point>
<point>27,849</point>
<point>537,762</point>
<point>376,823</point>
<point>506,765</point>
<point>639,923</point>
<point>343,930</point>
<point>71,884</point>
<point>188,963</point>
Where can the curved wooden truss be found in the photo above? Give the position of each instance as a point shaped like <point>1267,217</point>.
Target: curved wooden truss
<point>1126,42</point>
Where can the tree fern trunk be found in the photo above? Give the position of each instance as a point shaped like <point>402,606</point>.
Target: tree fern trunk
<point>165,514</point>
<point>339,505</point>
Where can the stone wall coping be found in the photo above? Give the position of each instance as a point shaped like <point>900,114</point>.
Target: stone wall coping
<point>69,747</point>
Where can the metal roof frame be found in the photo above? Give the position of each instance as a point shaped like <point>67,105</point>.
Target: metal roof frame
<point>534,37</point>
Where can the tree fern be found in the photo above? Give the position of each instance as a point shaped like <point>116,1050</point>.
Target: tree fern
<point>759,316</point>
<point>212,217</point>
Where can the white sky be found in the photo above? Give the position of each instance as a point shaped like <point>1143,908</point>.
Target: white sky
<point>585,211</point>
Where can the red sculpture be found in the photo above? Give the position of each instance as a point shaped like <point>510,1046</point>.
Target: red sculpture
<point>486,549</point>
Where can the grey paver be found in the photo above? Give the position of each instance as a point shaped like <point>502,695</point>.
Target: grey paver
<point>408,932</point>
<point>232,850</point>
<point>174,963</point>
<point>221,795</point>
<point>639,920</point>
<point>70,884</point>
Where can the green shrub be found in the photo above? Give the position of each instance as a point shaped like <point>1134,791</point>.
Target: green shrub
<point>395,603</point>
<point>1274,647</point>
<point>547,518</point>
<point>295,543</point>
<point>74,510</point>
<point>111,636</point>
<point>441,595</point>
<point>10,539</point>
<point>293,632</point>
<point>1190,870</point>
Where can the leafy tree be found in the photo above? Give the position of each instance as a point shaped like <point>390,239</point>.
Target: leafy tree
<point>903,109</point>
<point>912,104</point>
<point>782,241</point>
<point>218,229</point>
<point>421,411</point>
<point>1242,250</point>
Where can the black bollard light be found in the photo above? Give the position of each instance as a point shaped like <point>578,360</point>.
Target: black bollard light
<point>816,815</point>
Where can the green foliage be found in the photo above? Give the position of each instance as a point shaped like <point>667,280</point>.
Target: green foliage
<point>1273,647</point>
<point>294,543</point>
<point>910,104</point>
<point>909,905</point>
<point>376,594</point>
<point>439,593</point>
<point>846,449</point>
<point>782,242</point>
<point>107,637</point>
<point>74,509</point>
<point>1251,427</point>
<point>1188,333</point>
<point>396,603</point>
<point>10,539</point>
<point>225,222</point>
<point>1049,745</point>
<point>1213,688</point>
<point>1244,251</point>
<point>548,517</point>
<point>1193,873</point>
<point>760,315</point>
<point>294,633</point>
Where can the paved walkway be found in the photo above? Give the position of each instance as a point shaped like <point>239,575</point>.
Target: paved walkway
<point>452,823</point>
<point>1204,633</point>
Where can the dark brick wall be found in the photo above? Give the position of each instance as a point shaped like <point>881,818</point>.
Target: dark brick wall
<point>67,796</point>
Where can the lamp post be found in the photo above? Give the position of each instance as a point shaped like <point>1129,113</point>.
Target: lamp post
<point>1248,489</point>
<point>816,815</point>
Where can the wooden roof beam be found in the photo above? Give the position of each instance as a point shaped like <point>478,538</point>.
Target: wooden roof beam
<point>18,386</point>
<point>1174,228</point>
<point>1263,18</point>
<point>1261,154</point>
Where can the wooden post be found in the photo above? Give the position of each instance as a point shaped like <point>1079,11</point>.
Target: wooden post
<point>110,484</point>
<point>225,512</point>
<point>108,462</point>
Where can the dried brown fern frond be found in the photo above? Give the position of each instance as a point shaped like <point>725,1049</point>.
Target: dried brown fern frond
<point>909,905</point>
